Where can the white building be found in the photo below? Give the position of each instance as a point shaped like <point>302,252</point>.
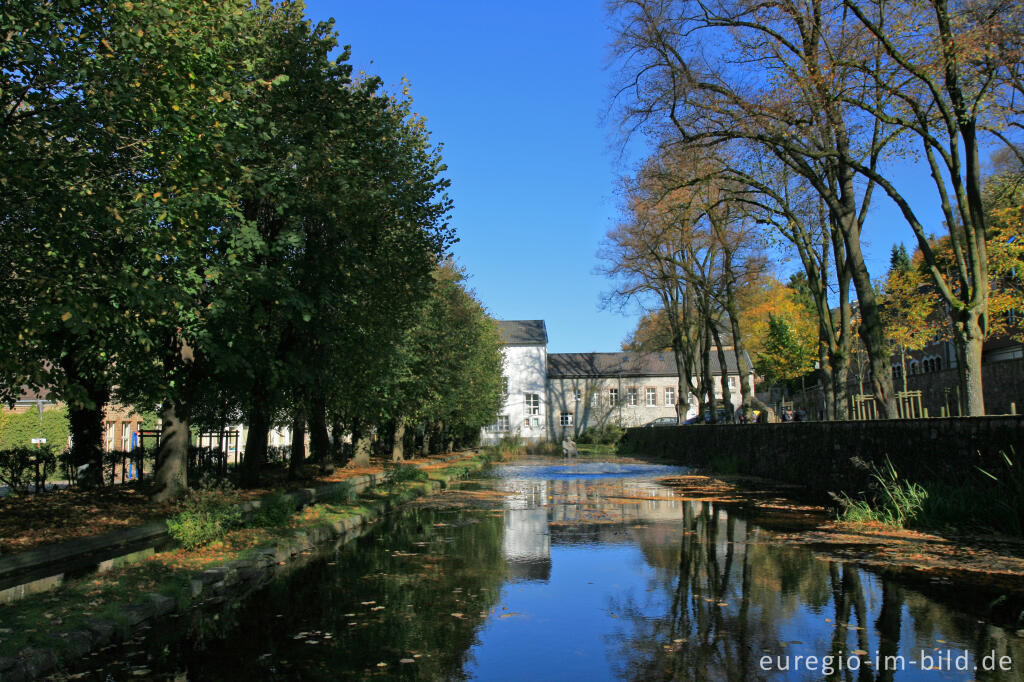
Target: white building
<point>525,382</point>
<point>548,395</point>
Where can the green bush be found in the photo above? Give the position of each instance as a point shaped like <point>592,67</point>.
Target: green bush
<point>21,468</point>
<point>607,434</point>
<point>18,429</point>
<point>204,516</point>
<point>406,472</point>
<point>275,510</point>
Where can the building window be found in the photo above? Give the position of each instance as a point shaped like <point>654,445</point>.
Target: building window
<point>595,399</point>
<point>631,397</point>
<point>732,382</point>
<point>651,395</point>
<point>613,396</point>
<point>532,403</point>
<point>577,395</point>
<point>670,396</point>
<point>109,426</point>
<point>565,419</point>
<point>126,429</point>
<point>501,424</point>
<point>531,422</point>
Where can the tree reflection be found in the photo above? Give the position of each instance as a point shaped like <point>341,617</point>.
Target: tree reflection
<point>737,597</point>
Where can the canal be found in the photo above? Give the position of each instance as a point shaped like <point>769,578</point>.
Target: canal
<point>546,570</point>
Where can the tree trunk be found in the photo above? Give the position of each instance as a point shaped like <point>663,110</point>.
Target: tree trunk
<point>85,419</point>
<point>255,445</point>
<point>425,450</point>
<point>709,386</point>
<point>840,358</point>
<point>298,453</point>
<point>171,478</point>
<point>319,441</point>
<point>337,438</point>
<point>726,391</point>
<point>86,427</point>
<point>903,366</point>
<point>445,436</point>
<point>872,331</point>
<point>398,441</point>
<point>827,380</point>
<point>361,450</point>
<point>741,364</point>
<point>968,342</point>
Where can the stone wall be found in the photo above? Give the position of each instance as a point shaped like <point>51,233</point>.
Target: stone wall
<point>819,455</point>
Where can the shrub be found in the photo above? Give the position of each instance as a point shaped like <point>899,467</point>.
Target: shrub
<point>406,472</point>
<point>18,430</point>
<point>275,510</point>
<point>21,468</point>
<point>204,516</point>
<point>278,454</point>
<point>607,434</point>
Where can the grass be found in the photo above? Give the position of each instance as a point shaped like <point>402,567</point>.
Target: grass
<point>37,621</point>
<point>508,447</point>
<point>982,500</point>
<point>892,501</point>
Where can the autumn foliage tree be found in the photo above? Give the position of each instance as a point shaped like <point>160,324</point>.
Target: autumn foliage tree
<point>908,307</point>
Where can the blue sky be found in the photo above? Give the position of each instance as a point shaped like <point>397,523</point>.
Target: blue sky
<point>516,93</point>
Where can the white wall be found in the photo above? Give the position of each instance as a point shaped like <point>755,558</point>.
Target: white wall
<point>526,369</point>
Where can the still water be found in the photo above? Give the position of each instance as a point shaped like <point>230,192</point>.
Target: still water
<point>580,571</point>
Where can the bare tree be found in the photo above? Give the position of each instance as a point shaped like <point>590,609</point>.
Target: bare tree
<point>949,73</point>
<point>707,73</point>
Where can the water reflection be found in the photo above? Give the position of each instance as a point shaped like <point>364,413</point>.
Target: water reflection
<point>590,571</point>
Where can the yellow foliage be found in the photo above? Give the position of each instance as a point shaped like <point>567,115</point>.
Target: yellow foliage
<point>777,299</point>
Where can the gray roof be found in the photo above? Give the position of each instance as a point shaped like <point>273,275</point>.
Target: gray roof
<point>625,364</point>
<point>523,332</point>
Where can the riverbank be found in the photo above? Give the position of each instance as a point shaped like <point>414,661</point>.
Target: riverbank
<point>988,566</point>
<point>42,633</point>
<point>963,472</point>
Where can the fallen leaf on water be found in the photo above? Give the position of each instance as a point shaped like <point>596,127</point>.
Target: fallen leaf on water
<point>859,652</point>
<point>407,660</point>
<point>509,614</point>
<point>457,615</point>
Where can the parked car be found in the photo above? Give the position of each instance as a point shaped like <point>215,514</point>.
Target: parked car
<point>662,421</point>
<point>723,417</point>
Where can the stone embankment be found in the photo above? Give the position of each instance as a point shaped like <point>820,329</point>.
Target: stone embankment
<point>837,457</point>
<point>230,580</point>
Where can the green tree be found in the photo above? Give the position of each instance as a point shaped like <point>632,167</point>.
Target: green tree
<point>785,355</point>
<point>94,152</point>
<point>899,261</point>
